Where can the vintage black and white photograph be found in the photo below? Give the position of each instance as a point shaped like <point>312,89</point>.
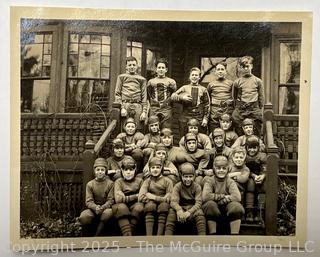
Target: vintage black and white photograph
<point>158,127</point>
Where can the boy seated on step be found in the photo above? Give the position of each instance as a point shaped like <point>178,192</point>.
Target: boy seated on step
<point>203,140</point>
<point>225,122</point>
<point>199,158</point>
<point>218,144</point>
<point>186,202</point>
<point>99,198</point>
<point>248,128</point>
<point>221,198</point>
<point>127,209</point>
<point>169,169</point>
<point>155,193</point>
<point>257,163</point>
<point>166,138</point>
<point>152,138</point>
<point>115,160</point>
<point>238,170</point>
<point>132,141</point>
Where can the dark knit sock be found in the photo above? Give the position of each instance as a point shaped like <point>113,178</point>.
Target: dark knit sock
<point>170,226</point>
<point>212,227</point>
<point>149,224</point>
<point>99,228</point>
<point>201,224</point>
<point>161,223</point>
<point>133,222</point>
<point>125,226</point>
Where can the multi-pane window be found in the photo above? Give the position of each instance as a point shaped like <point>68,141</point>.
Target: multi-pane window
<point>151,58</point>
<point>289,77</point>
<point>134,49</point>
<point>88,77</point>
<point>36,60</point>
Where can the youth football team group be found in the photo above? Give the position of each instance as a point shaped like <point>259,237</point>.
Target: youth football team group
<point>216,173</point>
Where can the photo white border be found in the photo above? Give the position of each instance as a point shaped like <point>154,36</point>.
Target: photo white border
<point>94,14</point>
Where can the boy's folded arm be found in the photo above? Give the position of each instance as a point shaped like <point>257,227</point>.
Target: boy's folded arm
<point>89,198</point>
<point>131,198</point>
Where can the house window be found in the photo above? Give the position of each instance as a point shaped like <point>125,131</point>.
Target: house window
<point>134,49</point>
<point>208,64</point>
<point>36,62</point>
<point>289,77</point>
<point>88,75</point>
<point>151,58</point>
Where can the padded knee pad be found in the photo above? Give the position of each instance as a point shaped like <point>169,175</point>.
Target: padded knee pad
<point>106,215</point>
<point>163,207</point>
<point>137,210</point>
<point>150,207</point>
<point>120,210</point>
<point>86,217</point>
<point>234,211</point>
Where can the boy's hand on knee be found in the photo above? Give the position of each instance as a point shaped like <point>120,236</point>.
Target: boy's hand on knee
<point>98,210</point>
<point>123,112</point>
<point>143,116</point>
<point>187,214</point>
<point>180,215</point>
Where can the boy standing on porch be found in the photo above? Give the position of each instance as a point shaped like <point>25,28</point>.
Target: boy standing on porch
<point>248,96</point>
<point>195,100</point>
<point>159,91</point>
<point>131,93</point>
<point>220,91</point>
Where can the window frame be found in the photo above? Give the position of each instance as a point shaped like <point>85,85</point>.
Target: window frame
<point>115,50</point>
<point>146,44</point>
<point>54,71</point>
<point>276,85</point>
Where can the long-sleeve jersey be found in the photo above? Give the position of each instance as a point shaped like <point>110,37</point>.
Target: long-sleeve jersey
<point>230,137</point>
<point>249,89</point>
<point>150,138</point>
<point>129,188</point>
<point>186,196</point>
<point>168,165</point>
<point>129,141</point>
<point>216,151</point>
<point>204,142</point>
<point>114,166</point>
<point>99,193</point>
<point>160,187</point>
<point>159,90</point>
<point>200,99</point>
<point>199,159</point>
<point>241,141</point>
<point>257,164</point>
<point>173,153</point>
<point>241,173</point>
<point>220,90</point>
<point>214,186</point>
<point>133,88</point>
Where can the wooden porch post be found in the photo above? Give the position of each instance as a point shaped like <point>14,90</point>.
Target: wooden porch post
<point>272,173</point>
<point>88,157</point>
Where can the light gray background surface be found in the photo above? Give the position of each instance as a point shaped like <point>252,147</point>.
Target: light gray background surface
<point>208,5</point>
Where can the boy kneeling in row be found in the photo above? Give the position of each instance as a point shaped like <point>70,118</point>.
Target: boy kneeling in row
<point>186,201</point>
<point>221,197</point>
